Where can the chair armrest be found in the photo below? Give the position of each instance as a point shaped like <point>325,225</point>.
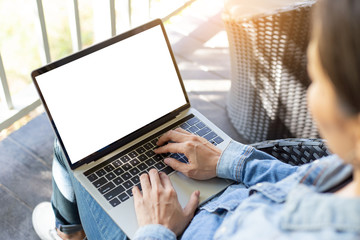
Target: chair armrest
<point>294,151</point>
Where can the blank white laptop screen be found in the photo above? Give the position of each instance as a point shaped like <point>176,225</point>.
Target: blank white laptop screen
<point>106,95</point>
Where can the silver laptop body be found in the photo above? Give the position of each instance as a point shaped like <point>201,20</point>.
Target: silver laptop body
<point>110,97</point>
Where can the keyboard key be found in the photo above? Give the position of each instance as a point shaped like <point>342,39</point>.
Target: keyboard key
<point>184,125</point>
<point>125,158</point>
<point>117,163</point>
<point>139,186</point>
<point>200,125</point>
<point>134,162</point>
<point>123,197</point>
<point>158,157</point>
<point>142,157</point>
<point>128,184</point>
<point>142,166</point>
<point>118,181</point>
<point>210,136</point>
<point>118,171</point>
<point>192,121</point>
<point>110,176</point>
<point>127,166</point>
<point>109,168</point>
<point>148,146</point>
<point>134,171</point>
<point>218,140</point>
<point>193,129</point>
<point>135,179</point>
<point>100,182</point>
<point>167,170</point>
<point>175,155</point>
<point>115,202</point>
<point>150,153</point>
<point>160,165</point>
<point>107,187</point>
<point>92,177</point>
<point>126,176</point>
<point>154,141</point>
<point>180,157</point>
<point>129,192</point>
<point>113,193</point>
<point>100,172</point>
<point>140,150</point>
<point>133,154</point>
<point>150,162</point>
<point>203,131</point>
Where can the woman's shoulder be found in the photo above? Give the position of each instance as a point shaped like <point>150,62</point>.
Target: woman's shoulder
<point>325,173</point>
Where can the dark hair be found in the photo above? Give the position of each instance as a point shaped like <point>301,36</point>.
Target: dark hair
<point>337,28</point>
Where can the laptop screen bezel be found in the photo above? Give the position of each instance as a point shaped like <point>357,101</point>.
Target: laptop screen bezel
<point>132,136</point>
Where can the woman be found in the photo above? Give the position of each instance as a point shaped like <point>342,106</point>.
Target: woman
<point>271,199</point>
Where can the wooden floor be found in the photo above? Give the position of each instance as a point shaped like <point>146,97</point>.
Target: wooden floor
<point>199,41</point>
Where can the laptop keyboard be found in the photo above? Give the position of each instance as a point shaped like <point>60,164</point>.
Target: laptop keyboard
<point>115,177</point>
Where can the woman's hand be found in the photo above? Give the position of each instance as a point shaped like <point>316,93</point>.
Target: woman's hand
<point>202,155</point>
<point>158,203</point>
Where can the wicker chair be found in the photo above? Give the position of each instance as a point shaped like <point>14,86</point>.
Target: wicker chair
<point>294,151</point>
<point>267,42</point>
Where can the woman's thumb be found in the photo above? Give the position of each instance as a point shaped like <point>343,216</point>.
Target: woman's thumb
<point>191,206</point>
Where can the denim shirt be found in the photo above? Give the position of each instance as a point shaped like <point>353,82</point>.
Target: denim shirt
<point>272,200</point>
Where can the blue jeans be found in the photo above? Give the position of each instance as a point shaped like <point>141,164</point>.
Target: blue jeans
<point>73,206</point>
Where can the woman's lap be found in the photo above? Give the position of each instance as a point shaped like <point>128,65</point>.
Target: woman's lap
<point>74,203</point>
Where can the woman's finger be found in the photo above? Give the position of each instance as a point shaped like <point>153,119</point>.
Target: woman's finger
<point>172,148</point>
<point>137,195</point>
<point>165,180</point>
<point>192,204</point>
<point>155,179</point>
<point>182,131</point>
<point>145,184</point>
<point>177,165</point>
<point>174,136</point>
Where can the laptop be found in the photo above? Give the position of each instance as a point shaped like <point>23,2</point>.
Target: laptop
<point>109,103</point>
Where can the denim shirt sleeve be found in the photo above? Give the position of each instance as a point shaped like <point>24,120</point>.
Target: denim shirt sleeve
<point>154,232</point>
<point>246,165</point>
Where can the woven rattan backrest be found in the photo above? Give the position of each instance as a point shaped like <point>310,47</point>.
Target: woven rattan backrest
<point>267,99</point>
